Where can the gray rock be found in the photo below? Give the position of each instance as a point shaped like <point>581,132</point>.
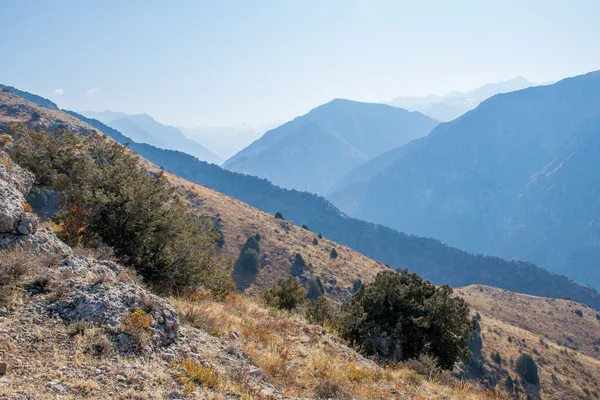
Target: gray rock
<point>3,368</point>
<point>22,229</point>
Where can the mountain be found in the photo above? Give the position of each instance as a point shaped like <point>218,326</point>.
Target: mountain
<point>428,257</point>
<point>454,104</point>
<point>515,178</point>
<point>312,152</point>
<point>89,307</point>
<point>143,128</point>
<point>226,141</point>
<point>34,98</point>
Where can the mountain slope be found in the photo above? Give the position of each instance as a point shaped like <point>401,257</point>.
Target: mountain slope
<point>560,335</point>
<point>312,152</point>
<point>34,98</point>
<point>142,128</point>
<point>430,258</point>
<point>100,333</point>
<point>512,177</point>
<point>454,104</point>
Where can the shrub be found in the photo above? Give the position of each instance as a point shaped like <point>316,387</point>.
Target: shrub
<point>579,313</point>
<point>320,312</point>
<point>400,317</point>
<point>509,384</point>
<point>315,289</point>
<point>105,193</point>
<point>356,285</point>
<point>14,264</point>
<point>287,294</point>
<point>333,253</point>
<point>298,266</point>
<point>248,260</point>
<point>497,358</point>
<point>320,236</point>
<point>279,215</point>
<point>528,369</point>
<point>190,374</point>
<point>136,325</point>
<point>305,227</point>
<point>315,241</point>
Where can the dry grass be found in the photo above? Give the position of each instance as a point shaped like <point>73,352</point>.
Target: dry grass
<point>14,265</point>
<point>300,359</point>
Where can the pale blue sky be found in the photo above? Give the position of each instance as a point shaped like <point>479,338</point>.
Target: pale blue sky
<point>228,62</point>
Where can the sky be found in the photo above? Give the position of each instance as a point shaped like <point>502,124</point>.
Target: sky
<point>230,62</point>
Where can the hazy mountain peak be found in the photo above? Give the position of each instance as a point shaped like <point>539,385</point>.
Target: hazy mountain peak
<point>313,151</point>
<point>515,177</point>
<point>453,104</point>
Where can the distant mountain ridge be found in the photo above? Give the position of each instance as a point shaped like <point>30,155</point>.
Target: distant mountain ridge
<point>226,141</point>
<point>454,104</point>
<point>145,129</point>
<point>430,258</point>
<point>313,151</point>
<point>516,177</point>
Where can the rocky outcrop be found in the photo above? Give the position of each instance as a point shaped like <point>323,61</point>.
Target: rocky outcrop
<point>63,288</point>
<point>102,293</point>
<point>15,183</point>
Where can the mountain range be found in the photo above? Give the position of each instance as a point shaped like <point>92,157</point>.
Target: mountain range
<point>312,152</point>
<point>454,104</point>
<point>559,334</point>
<point>515,177</point>
<point>142,128</point>
<point>430,258</point>
<point>226,141</point>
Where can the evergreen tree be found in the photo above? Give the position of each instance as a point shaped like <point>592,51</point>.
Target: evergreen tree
<point>333,253</point>
<point>286,295</point>
<point>399,316</point>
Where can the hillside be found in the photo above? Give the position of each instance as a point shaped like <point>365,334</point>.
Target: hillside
<point>561,335</point>
<point>430,258</point>
<point>511,178</point>
<point>454,104</point>
<point>100,333</point>
<point>312,152</point>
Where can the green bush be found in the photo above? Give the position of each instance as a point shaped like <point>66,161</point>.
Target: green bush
<point>315,241</point>
<point>106,193</point>
<point>286,295</point>
<point>248,259</point>
<point>528,369</point>
<point>333,253</point>
<point>279,215</point>
<point>400,316</point>
<point>298,265</point>
<point>315,289</point>
<point>320,312</point>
